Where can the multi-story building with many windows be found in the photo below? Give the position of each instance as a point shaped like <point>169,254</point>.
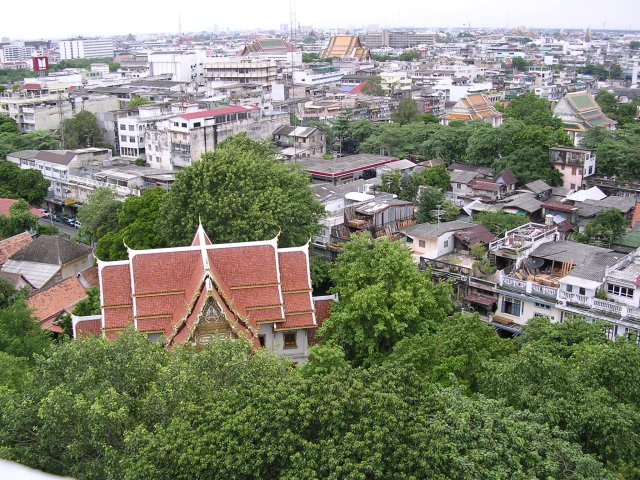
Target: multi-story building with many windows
<point>86,48</point>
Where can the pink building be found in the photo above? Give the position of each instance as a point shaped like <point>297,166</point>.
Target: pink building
<point>575,164</point>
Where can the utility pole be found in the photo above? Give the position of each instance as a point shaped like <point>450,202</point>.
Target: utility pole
<point>61,118</point>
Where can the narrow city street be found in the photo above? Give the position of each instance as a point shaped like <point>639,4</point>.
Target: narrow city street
<point>62,227</point>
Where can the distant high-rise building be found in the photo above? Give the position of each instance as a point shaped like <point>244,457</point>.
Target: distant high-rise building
<point>86,48</point>
<point>15,52</point>
<point>387,38</point>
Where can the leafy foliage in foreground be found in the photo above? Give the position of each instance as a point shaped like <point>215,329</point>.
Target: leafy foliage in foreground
<point>399,389</point>
<point>225,414</point>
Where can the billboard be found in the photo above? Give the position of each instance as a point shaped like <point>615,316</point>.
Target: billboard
<point>40,64</point>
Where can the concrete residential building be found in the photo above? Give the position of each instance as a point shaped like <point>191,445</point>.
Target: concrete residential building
<point>86,48</point>
<point>539,275</point>
<point>308,141</point>
<point>16,52</point>
<point>35,107</point>
<point>392,39</point>
<point>575,164</point>
<point>240,70</point>
<point>185,67</point>
<point>75,174</point>
<point>175,143</point>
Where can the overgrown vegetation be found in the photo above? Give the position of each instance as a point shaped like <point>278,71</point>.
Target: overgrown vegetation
<point>400,388</point>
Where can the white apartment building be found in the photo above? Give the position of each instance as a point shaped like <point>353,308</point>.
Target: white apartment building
<point>15,52</point>
<point>132,125</point>
<point>182,66</point>
<point>177,142</point>
<point>86,48</point>
<point>308,77</point>
<point>221,70</point>
<point>540,275</point>
<point>75,174</point>
<point>41,108</point>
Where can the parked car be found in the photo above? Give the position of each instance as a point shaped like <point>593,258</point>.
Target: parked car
<point>68,220</point>
<point>76,224</point>
<point>45,213</point>
<point>56,218</point>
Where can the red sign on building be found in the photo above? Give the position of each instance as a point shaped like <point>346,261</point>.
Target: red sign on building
<point>40,64</point>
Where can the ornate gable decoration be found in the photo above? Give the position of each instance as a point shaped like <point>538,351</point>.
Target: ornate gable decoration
<point>211,322</point>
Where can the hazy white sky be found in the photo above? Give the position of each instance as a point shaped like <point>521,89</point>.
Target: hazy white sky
<point>115,17</point>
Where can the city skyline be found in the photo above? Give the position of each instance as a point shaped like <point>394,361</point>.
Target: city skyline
<point>76,20</point>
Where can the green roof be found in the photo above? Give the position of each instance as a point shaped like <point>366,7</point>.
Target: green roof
<point>630,239</point>
<point>23,154</point>
<point>582,101</point>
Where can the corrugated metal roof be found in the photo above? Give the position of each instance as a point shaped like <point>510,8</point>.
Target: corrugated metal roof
<point>37,274</point>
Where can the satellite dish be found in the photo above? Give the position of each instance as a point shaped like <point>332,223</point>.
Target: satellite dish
<point>534,263</point>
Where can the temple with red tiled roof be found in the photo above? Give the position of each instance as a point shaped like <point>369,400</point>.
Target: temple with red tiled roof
<point>253,291</point>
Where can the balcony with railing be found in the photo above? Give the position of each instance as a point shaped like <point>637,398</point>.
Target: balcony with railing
<point>522,240</point>
<point>528,286</point>
<point>605,307</point>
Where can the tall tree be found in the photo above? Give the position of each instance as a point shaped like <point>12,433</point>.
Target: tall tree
<point>98,215</point>
<point>20,335</point>
<point>241,193</point>
<point>82,130</point>
<point>429,200</point>
<point>405,112</point>
<point>20,220</point>
<point>136,226</point>
<point>532,110</point>
<point>373,86</point>
<point>138,101</point>
<point>607,227</point>
<point>383,298</point>
<point>9,294</point>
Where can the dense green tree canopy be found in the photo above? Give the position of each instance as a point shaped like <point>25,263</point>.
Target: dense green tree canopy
<point>383,298</point>
<point>428,202</point>
<point>405,112</point>
<point>607,227</point>
<point>241,193</point>
<point>520,64</point>
<point>224,414</point>
<point>82,130</point>
<point>138,101</point>
<point>571,377</point>
<point>618,151</point>
<point>28,185</point>
<point>98,215</point>
<point>623,113</point>
<point>20,335</point>
<point>499,222</point>
<point>9,294</point>
<point>8,124</point>
<point>20,220</point>
<point>136,226</point>
<point>531,110</point>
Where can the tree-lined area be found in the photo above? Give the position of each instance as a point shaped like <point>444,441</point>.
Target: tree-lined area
<point>239,193</point>
<point>521,144</point>
<point>400,388</point>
